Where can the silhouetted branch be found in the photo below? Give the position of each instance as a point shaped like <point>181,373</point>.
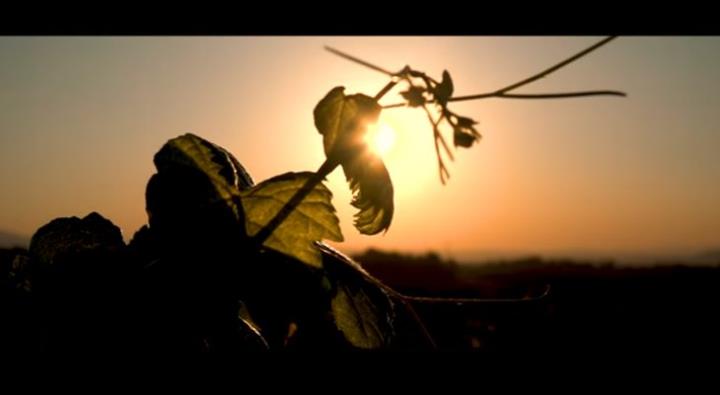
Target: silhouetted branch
<point>562,95</point>
<point>437,136</point>
<point>461,301</point>
<point>420,322</point>
<point>502,93</point>
<point>441,94</point>
<point>557,66</point>
<point>358,61</point>
<point>385,89</point>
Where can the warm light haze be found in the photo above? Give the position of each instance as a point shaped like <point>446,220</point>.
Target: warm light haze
<point>81,118</point>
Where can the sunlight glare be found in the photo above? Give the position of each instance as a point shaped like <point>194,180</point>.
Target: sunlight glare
<point>381,138</point>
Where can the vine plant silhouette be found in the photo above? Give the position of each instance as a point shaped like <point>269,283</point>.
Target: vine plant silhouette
<point>223,260</point>
<point>342,120</point>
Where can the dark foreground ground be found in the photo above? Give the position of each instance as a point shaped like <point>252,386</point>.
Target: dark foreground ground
<point>591,308</point>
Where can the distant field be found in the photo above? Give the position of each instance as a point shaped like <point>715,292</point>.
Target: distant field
<point>600,307</point>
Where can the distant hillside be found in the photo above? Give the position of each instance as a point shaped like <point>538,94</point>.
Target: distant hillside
<point>8,239</point>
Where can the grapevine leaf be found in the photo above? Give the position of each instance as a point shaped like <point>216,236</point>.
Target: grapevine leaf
<point>312,220</point>
<point>343,120</point>
<point>354,315</point>
<point>193,151</point>
<point>223,171</point>
<point>362,311</point>
<point>372,192</point>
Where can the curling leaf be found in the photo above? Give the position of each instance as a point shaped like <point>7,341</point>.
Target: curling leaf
<point>343,120</point>
<point>444,90</point>
<point>465,122</point>
<point>372,192</point>
<point>464,133</point>
<point>414,96</point>
<point>312,220</point>
<point>463,139</point>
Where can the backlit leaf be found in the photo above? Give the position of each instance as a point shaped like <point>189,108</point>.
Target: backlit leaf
<point>372,192</point>
<point>312,220</point>
<point>343,120</point>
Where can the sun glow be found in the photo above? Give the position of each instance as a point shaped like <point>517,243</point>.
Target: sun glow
<point>380,138</point>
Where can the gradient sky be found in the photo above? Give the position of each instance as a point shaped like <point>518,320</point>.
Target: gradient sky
<point>81,117</point>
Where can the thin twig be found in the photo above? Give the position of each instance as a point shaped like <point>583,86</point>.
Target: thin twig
<point>441,166</point>
<point>420,323</point>
<point>358,61</point>
<point>385,90</point>
<point>457,301</point>
<point>561,95</point>
<point>407,300</point>
<point>461,301</point>
<point>557,66</point>
<point>440,137</point>
<point>503,92</point>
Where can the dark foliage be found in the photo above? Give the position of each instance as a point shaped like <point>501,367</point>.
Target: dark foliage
<point>190,280</point>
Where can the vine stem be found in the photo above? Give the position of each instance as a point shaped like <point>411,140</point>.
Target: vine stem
<point>437,136</point>
<point>560,95</point>
<point>423,328</point>
<point>407,302</point>
<point>359,61</point>
<point>556,67</point>
<point>462,301</point>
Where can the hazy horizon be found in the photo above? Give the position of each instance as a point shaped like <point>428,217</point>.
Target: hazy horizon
<point>81,118</point>
<point>708,255</point>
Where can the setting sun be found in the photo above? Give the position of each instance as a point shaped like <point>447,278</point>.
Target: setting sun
<point>381,138</point>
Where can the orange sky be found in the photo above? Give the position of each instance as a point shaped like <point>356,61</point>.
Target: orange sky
<point>80,119</point>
